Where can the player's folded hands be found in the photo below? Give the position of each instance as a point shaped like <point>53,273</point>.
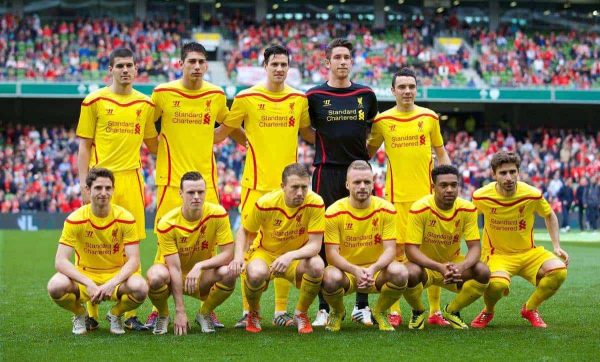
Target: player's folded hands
<point>236,267</point>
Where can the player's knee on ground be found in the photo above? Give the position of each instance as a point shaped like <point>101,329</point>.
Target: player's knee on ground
<point>315,267</point>
<point>481,273</point>
<point>138,288</point>
<point>256,273</point>
<point>225,277</point>
<point>397,273</point>
<point>333,278</point>
<point>415,275</point>
<point>157,275</point>
<point>58,285</point>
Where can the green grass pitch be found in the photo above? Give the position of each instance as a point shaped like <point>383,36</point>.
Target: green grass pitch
<point>34,328</point>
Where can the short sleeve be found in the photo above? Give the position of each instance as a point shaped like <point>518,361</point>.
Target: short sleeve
<point>254,220</point>
<point>471,229</point>
<point>376,136</point>
<point>236,115</point>
<point>305,116</point>
<point>223,111</point>
<point>542,207</point>
<point>167,243</point>
<point>414,228</point>
<point>157,100</point>
<point>149,127</point>
<point>86,127</point>
<point>130,235</point>
<point>316,224</point>
<point>332,231</point>
<point>389,226</point>
<point>223,231</point>
<point>69,234</point>
<point>436,134</point>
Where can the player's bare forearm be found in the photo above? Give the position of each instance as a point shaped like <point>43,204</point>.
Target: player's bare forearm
<point>415,255</point>
<point>152,144</point>
<point>553,229</point>
<point>238,135</point>
<point>83,158</point>
<point>221,133</point>
<point>308,134</point>
<point>224,257</point>
<point>473,254</point>
<point>63,265</point>
<point>242,242</point>
<point>442,155</point>
<point>310,249</point>
<point>174,266</point>
<point>372,150</point>
<point>388,255</point>
<point>334,258</point>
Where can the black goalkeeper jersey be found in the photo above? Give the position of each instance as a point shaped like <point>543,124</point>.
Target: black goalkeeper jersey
<point>341,118</point>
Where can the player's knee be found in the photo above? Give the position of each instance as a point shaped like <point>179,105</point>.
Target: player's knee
<point>555,278</point>
<point>256,273</point>
<point>482,273</point>
<point>138,287</point>
<point>57,286</point>
<point>414,274</point>
<point>498,285</point>
<point>332,279</point>
<point>157,276</point>
<point>315,267</point>
<point>226,277</point>
<point>398,273</point>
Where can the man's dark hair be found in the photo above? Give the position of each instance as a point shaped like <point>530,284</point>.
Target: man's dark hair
<point>120,53</point>
<point>443,170</point>
<point>190,176</point>
<point>192,47</point>
<point>96,172</point>
<point>337,43</point>
<point>404,72</point>
<point>297,169</point>
<point>502,157</point>
<point>274,50</point>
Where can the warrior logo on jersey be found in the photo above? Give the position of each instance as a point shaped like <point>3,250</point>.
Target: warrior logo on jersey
<point>261,106</point>
<point>176,104</point>
<point>348,226</point>
<point>326,102</point>
<point>493,210</point>
<point>432,222</point>
<point>392,127</point>
<point>277,222</point>
<point>109,111</point>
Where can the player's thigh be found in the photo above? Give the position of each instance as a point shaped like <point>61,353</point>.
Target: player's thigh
<point>258,264</point>
<point>135,284</point>
<point>536,261</point>
<point>504,265</point>
<point>129,194</point>
<point>394,272</point>
<point>60,284</point>
<point>416,273</point>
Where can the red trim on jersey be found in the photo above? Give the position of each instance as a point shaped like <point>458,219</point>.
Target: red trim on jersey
<point>162,135</point>
<point>326,243</point>
<point>319,178</point>
<point>78,258</point>
<point>405,119</point>
<point>132,243</point>
<point>358,217</point>
<point>161,198</point>
<point>175,226</point>
<point>254,164</point>
<point>317,232</point>
<point>189,96</point>
<point>164,256</point>
<point>440,216</point>
<point>269,98</point>
<point>508,203</point>
<point>531,237</point>
<point>355,92</point>
<point>212,173</point>
<point>323,154</point>
<point>117,103</point>
<point>137,174</point>
<point>100,227</point>
<point>430,181</point>
<point>555,269</point>
<point>285,214</point>
<point>389,170</point>
<point>500,277</point>
<point>245,198</point>
<point>492,249</point>
<point>65,244</point>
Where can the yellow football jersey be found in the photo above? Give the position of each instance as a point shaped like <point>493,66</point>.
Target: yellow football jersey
<point>360,232</point>
<point>439,232</point>
<point>117,124</point>
<point>508,221</point>
<point>281,228</point>
<point>271,121</point>
<point>193,241</point>
<point>99,243</point>
<point>187,130</point>
<point>408,139</point>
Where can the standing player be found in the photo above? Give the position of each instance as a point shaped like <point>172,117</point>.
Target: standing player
<point>287,227</point>
<point>409,133</point>
<point>508,206</point>
<point>436,224</point>
<point>341,113</point>
<point>113,123</point>
<point>185,262</point>
<point>360,237</point>
<point>188,109</point>
<point>101,235</point>
<point>272,114</point>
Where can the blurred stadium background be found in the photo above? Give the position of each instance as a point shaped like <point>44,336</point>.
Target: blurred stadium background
<point>517,75</point>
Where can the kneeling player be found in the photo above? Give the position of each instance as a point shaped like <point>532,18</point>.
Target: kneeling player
<point>360,241</point>
<point>289,224</point>
<point>103,236</point>
<point>436,224</point>
<point>508,207</point>
<point>185,262</point>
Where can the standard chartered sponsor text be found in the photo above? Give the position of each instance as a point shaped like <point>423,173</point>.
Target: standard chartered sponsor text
<point>335,115</point>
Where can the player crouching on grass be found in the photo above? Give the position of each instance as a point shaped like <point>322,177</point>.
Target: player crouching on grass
<point>360,242</point>
<point>289,223</point>
<point>185,263</point>
<point>106,243</point>
<point>436,225</point>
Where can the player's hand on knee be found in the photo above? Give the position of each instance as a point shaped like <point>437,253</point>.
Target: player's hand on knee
<point>562,254</point>
<point>236,267</point>
<point>192,279</point>
<point>280,265</point>
<point>180,324</point>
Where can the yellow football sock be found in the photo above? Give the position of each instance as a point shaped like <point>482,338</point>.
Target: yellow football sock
<point>471,290</point>
<point>497,289</point>
<point>546,287</point>
<point>70,302</point>
<point>309,288</point>
<point>92,310</point>
<point>390,293</point>
<point>130,314</point>
<point>160,299</point>
<point>413,297</point>
<point>218,294</point>
<point>125,304</point>
<point>253,295</point>
<point>244,299</point>
<point>395,308</point>
<point>282,292</point>
<point>433,296</point>
<point>335,299</point>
